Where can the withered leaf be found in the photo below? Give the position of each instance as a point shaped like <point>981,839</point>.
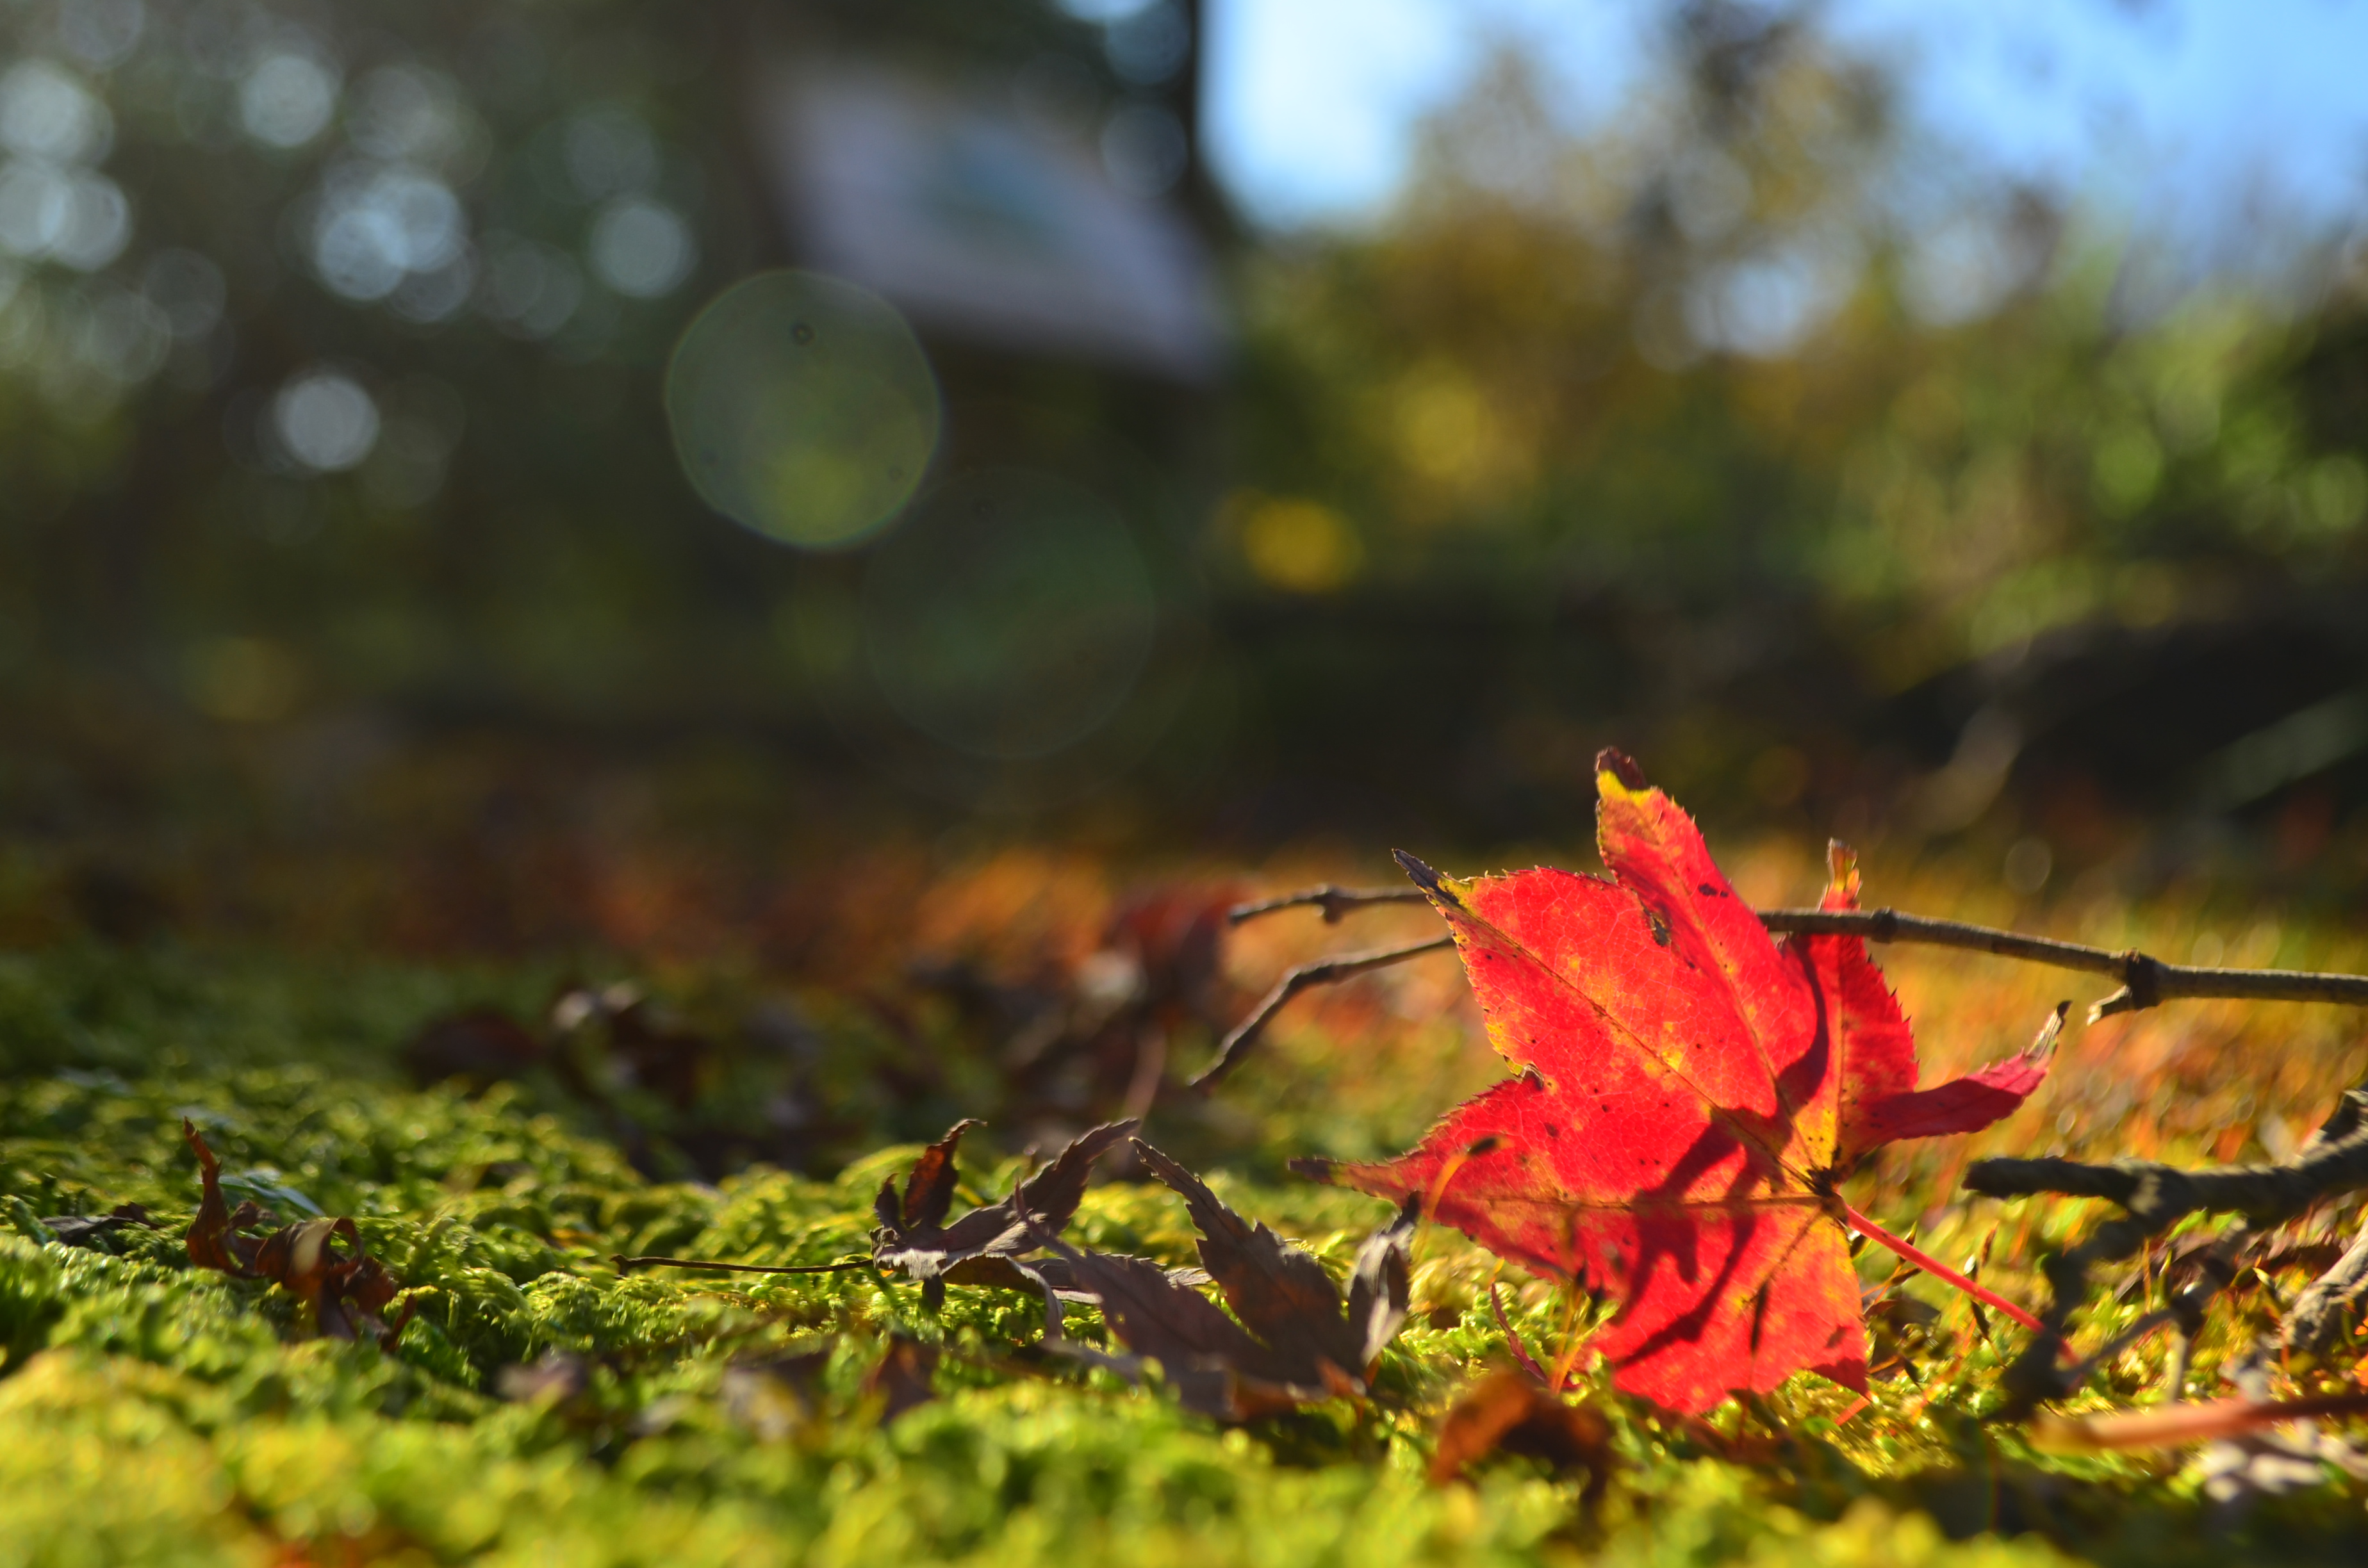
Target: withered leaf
<point>345,1293</point>
<point>76,1230</point>
<point>1296,1340</point>
<point>1213,1363</point>
<point>1507,1412</point>
<point>913,1236</point>
<point>904,1377</point>
<point>1282,1294</point>
<point>214,1237</point>
<point>929,1184</point>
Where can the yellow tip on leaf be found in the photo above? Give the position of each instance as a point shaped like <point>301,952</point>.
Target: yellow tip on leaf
<point>1841,875</point>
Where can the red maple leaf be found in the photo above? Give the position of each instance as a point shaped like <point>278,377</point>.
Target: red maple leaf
<point>1689,1093</point>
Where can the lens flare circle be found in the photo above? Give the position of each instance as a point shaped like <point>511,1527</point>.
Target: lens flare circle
<point>1010,616</point>
<point>804,408</point>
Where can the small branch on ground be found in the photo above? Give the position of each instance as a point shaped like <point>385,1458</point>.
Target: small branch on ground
<point>1332,900</point>
<point>2319,1318</point>
<point>2154,1198</point>
<point>1237,1045</point>
<point>2195,1423</point>
<point>2146,981</point>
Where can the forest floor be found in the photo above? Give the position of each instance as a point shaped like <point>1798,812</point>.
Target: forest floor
<point>540,1404</point>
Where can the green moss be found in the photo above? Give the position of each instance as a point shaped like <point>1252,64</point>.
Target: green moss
<point>149,1412</point>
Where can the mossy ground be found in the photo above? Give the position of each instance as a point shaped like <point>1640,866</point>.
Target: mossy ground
<point>153,1413</point>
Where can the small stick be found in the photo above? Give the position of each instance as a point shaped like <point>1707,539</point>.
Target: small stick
<point>627,1265</point>
<point>2153,1198</point>
<point>2162,1317</point>
<point>1333,900</point>
<point>1934,1266</point>
<point>2163,1194</point>
<point>2168,1426</point>
<point>1324,971</point>
<point>2147,981</point>
<point>2318,1320</point>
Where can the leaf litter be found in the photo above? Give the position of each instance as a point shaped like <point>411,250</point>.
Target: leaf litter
<point>1396,1401</point>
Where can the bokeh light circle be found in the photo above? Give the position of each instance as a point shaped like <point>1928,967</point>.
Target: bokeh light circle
<point>802,408</point>
<point>1010,616</point>
<point>325,420</point>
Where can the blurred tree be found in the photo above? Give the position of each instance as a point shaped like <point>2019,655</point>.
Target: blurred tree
<point>329,354</point>
<point>1729,418</point>
<point>329,342</point>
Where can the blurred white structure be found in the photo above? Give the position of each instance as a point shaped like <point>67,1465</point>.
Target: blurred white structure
<point>981,222</point>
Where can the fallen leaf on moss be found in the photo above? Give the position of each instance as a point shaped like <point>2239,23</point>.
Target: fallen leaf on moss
<point>1296,1340</point>
<point>76,1230</point>
<point>913,1237</point>
<point>1690,1094</point>
<point>1507,1412</point>
<point>345,1293</point>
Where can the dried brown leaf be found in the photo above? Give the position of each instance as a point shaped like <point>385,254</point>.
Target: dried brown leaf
<point>1296,1340</point>
<point>76,1230</point>
<point>1507,1412</point>
<point>347,1292</point>
<point>913,1237</point>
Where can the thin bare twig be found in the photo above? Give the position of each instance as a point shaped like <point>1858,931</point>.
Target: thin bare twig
<point>2193,1424</point>
<point>2146,981</point>
<point>627,1265</point>
<point>1324,971</point>
<point>2102,1357</point>
<point>1333,900</point>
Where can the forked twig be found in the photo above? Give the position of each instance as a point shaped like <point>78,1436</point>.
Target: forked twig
<point>1324,971</point>
<point>1333,900</point>
<point>2146,981</point>
<point>2154,1198</point>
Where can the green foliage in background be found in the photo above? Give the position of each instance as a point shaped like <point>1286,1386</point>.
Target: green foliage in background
<point>1745,354</point>
<point>1733,374</point>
